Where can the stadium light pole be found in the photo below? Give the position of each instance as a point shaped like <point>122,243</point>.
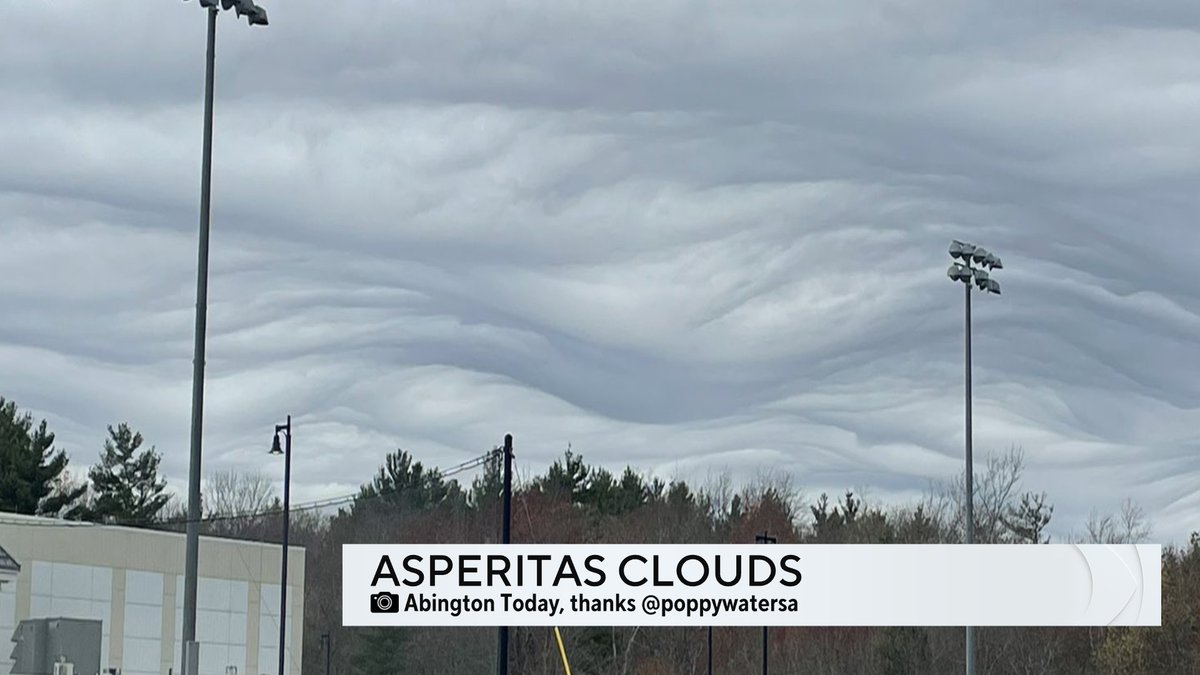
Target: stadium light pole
<point>255,16</point>
<point>286,431</point>
<point>970,267</point>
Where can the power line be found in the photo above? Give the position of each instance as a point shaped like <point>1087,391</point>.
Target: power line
<point>318,504</point>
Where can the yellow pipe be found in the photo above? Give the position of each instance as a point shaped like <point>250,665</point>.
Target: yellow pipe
<point>562,650</point>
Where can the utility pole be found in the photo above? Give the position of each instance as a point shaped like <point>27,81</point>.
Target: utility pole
<point>505,538</point>
<point>764,538</point>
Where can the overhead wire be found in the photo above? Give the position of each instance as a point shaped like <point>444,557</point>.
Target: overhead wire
<point>313,505</point>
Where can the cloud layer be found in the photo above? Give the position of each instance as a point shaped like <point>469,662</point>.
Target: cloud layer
<point>689,236</point>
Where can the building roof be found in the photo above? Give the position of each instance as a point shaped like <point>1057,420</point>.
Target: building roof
<point>20,520</point>
<point>7,564</point>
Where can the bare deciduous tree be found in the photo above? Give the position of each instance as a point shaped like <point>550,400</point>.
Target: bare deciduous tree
<point>229,493</point>
<point>1130,526</point>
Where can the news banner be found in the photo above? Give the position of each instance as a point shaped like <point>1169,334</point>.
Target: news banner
<point>752,585</point>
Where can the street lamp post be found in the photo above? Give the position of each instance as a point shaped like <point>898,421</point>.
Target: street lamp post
<point>286,430</point>
<point>256,16</point>
<point>764,538</point>
<point>971,271</point>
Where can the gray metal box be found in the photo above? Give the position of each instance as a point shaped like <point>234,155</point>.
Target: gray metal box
<point>29,654</point>
<point>43,642</point>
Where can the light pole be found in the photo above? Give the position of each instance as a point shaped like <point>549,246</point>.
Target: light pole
<point>256,16</point>
<point>972,271</point>
<point>764,538</point>
<point>286,430</point>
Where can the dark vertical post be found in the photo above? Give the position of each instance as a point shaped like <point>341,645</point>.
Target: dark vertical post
<point>764,650</point>
<point>710,654</point>
<point>190,651</point>
<point>283,567</point>
<point>505,538</point>
<point>328,651</point>
<point>764,538</point>
<point>970,471</point>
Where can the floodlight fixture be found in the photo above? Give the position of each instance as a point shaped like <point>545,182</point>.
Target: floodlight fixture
<point>959,272</point>
<point>255,15</point>
<point>993,286</point>
<point>961,250</point>
<point>258,17</point>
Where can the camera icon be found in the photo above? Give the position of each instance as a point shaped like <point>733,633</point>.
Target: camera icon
<point>385,603</point>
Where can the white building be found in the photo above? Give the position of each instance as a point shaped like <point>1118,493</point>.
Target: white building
<point>131,579</point>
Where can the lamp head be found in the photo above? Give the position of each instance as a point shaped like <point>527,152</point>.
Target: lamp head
<point>275,449</point>
<point>981,278</point>
<point>258,17</point>
<point>993,286</point>
<point>960,250</point>
<point>958,272</point>
<point>979,255</point>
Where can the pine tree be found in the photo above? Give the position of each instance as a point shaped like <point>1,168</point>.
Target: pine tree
<point>488,488</point>
<point>33,477</point>
<point>126,485</point>
<point>380,650</point>
<point>405,484</point>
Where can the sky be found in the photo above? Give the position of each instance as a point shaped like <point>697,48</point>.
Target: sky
<point>695,237</point>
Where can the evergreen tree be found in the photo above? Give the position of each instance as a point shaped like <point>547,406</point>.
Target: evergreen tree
<point>1028,520</point>
<point>566,478</point>
<point>126,485</point>
<point>405,484</point>
<point>380,650</point>
<point>488,488</point>
<point>33,477</point>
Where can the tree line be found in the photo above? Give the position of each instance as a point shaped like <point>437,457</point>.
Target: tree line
<point>573,501</point>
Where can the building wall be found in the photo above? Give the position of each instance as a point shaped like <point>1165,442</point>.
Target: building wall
<point>132,581</point>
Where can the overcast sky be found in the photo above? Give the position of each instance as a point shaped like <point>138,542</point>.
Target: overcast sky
<point>691,236</point>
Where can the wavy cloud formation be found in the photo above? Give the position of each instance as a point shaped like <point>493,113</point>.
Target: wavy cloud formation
<point>683,235</point>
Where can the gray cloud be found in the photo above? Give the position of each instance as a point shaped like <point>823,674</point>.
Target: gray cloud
<point>687,236</point>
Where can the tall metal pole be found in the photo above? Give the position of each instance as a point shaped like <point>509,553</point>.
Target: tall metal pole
<point>283,565</point>
<point>505,537</point>
<point>970,473</point>
<point>190,657</point>
<point>980,276</point>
